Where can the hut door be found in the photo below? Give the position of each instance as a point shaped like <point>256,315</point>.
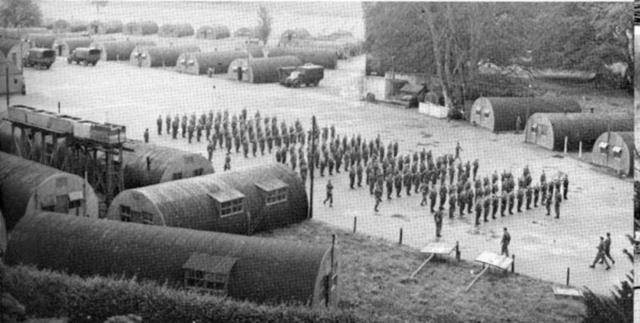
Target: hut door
<point>239,73</point>
<point>62,204</point>
<point>59,50</point>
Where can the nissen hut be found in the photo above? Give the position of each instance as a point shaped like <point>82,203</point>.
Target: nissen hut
<point>615,149</point>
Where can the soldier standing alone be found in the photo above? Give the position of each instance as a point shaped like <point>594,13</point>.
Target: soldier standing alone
<point>159,123</point>
<point>557,204</point>
<point>227,162</point>
<point>504,243</point>
<point>329,194</point>
<point>437,217</point>
<point>146,135</point>
<point>210,150</point>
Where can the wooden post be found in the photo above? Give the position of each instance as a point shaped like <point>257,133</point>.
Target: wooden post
<point>568,275</point>
<point>400,241</point>
<point>457,251</point>
<point>58,107</point>
<point>513,264</point>
<point>7,86</point>
<point>355,223</point>
<point>580,149</point>
<point>566,142</point>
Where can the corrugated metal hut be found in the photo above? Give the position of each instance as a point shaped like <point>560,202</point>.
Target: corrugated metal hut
<point>6,141</point>
<point>164,164</point>
<point>13,50</point>
<point>16,80</point>
<point>78,26</point>
<point>146,56</point>
<point>213,32</point>
<point>501,113</point>
<point>260,70</point>
<point>244,201</point>
<point>27,186</point>
<point>64,46</point>
<point>41,40</point>
<point>20,33</point>
<point>615,149</point>
<point>244,268</point>
<point>140,28</point>
<point>325,58</point>
<point>113,27</point>
<point>244,32</point>
<point>176,30</point>
<point>199,63</point>
<point>549,129</point>
<point>118,50</point>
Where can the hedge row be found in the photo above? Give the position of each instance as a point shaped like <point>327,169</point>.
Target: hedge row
<point>95,299</point>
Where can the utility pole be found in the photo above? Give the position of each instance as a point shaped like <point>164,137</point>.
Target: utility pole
<point>7,85</point>
<point>312,163</point>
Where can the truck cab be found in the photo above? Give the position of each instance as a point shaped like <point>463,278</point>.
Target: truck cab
<point>40,58</point>
<point>84,56</point>
<point>295,76</point>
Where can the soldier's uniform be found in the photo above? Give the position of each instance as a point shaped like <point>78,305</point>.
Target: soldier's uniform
<point>486,204</point>
<point>330,164</point>
<point>452,205</point>
<point>437,217</point>
<point>303,172</point>
<point>557,204</point>
<point>338,160</point>
<point>494,206</point>
<point>323,165</point>
<point>470,200</point>
<point>293,159</point>
<point>543,192</point>
<point>159,123</point>
<point>407,182</point>
<point>210,150</point>
<point>359,171</point>
<point>433,196</point>
<point>261,141</point>
<point>520,197</point>
<point>190,131</point>
<point>389,183</point>
<point>547,203</point>
<point>378,196</point>
<point>475,168</point>
<point>352,177</point>
<point>511,202</point>
<point>536,195</point>
<point>478,209</point>
<point>167,121</point>
<point>503,202</point>
<point>528,196</point>
<point>424,189</point>
<point>443,195</point>
<point>227,162</point>
<point>397,179</point>
<point>462,201</point>
<point>198,132</point>
<point>245,150</point>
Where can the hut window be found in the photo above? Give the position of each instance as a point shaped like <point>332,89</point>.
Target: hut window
<point>147,218</point>
<point>542,129</point>
<point>176,176</point>
<point>534,127</point>
<point>478,110</point>
<point>277,196</point>
<point>486,113</point>
<point>209,274</point>
<point>125,213</point>
<point>617,152</point>
<point>603,146</point>
<point>75,204</point>
<point>198,172</point>
<point>232,207</point>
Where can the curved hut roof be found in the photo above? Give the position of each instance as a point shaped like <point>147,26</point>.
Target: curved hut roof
<point>215,31</point>
<point>325,58</point>
<point>258,269</point>
<point>501,113</point>
<point>193,202</point>
<point>140,28</point>
<point>119,49</point>
<point>160,56</point>
<point>20,33</point>
<point>199,63</point>
<point>176,30</point>
<point>7,45</point>
<point>27,186</point>
<point>72,43</point>
<point>42,40</point>
<point>164,163</point>
<point>615,149</point>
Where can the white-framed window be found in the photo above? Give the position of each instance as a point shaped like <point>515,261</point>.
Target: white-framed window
<point>478,110</point>
<point>603,146</point>
<point>486,113</point>
<point>232,207</point>
<point>534,127</point>
<point>147,218</point>
<point>125,213</point>
<point>198,172</point>
<point>208,274</point>
<point>176,176</point>
<point>617,152</point>
<point>275,197</point>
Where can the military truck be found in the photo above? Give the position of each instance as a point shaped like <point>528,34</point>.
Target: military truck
<point>40,58</point>
<point>84,56</point>
<point>307,74</point>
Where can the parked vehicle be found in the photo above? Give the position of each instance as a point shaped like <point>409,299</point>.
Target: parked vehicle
<point>40,58</point>
<point>307,74</point>
<point>84,56</point>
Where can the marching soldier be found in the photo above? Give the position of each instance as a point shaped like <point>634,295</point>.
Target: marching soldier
<point>503,202</point>
<point>210,150</point>
<point>475,168</point>
<point>407,181</point>
<point>511,202</point>
<point>486,204</point>
<point>377,195</point>
<point>462,200</point>
<point>543,192</point>
<point>424,189</point>
<point>443,195</point>
<point>293,159</point>
<point>389,184</point>
<point>227,162</point>
<point>433,195</point>
<point>452,205</point>
<point>323,165</point>
<point>519,197</point>
<point>359,170</point>
<point>536,195</point>
<point>547,203</point>
<point>557,204</point>
<point>352,177</point>
<point>245,150</point>
<point>303,171</point>
<point>458,149</point>
<point>183,125</point>
<point>261,141</point>
<point>470,199</point>
<point>565,185</point>
<point>159,123</point>
<point>198,132</point>
<point>329,194</point>
<point>397,179</point>
<point>190,131</point>
<point>338,160</point>
<point>504,243</point>
<point>174,127</point>
<point>528,197</point>
<point>494,206</point>
<point>478,209</point>
<point>167,122</point>
<point>330,164</point>
<point>437,217</point>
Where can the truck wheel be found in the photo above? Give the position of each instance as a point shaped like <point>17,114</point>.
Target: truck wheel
<point>69,60</point>
<point>84,63</point>
<point>94,63</point>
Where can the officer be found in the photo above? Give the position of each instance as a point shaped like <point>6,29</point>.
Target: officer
<point>352,177</point>
<point>462,201</point>
<point>557,204</point>
<point>359,170</point>
<point>433,195</point>
<point>167,122</point>
<point>565,185</point>
<point>210,150</point>
<point>452,205</point>
<point>159,123</point>
<point>190,132</point>
<point>528,196</point>
<point>437,217</point>
<point>520,197</point>
<point>478,209</point>
<point>398,182</point>
<point>378,196</point>
<point>227,162</point>
<point>486,204</point>
<point>146,135</point>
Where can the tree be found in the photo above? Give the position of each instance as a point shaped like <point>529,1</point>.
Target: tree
<point>20,13</point>
<point>264,24</point>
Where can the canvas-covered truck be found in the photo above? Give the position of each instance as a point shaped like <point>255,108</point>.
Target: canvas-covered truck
<point>40,58</point>
<point>307,74</point>
<point>84,56</point>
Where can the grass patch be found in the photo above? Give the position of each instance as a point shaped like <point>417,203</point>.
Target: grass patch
<point>373,284</point>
